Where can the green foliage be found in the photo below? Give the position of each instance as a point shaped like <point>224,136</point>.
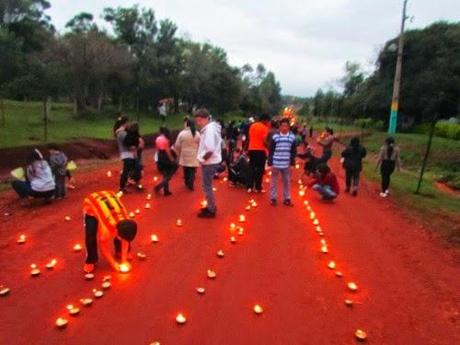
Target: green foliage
<point>448,130</point>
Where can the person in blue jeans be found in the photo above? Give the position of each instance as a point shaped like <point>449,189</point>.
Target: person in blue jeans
<point>281,158</point>
<point>325,183</point>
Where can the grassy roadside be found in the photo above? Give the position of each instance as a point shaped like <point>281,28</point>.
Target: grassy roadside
<point>24,124</point>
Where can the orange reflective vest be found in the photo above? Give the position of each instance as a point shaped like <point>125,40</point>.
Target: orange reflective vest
<point>107,208</point>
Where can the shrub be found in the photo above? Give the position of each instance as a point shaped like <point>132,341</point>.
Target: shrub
<point>448,130</point>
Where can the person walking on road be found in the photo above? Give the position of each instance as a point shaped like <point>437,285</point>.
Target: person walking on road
<point>210,156</point>
<point>186,147</point>
<point>166,162</point>
<point>281,158</point>
<point>389,159</point>
<point>257,149</point>
<point>353,164</point>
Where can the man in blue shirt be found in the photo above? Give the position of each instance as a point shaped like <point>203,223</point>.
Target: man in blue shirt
<point>281,158</point>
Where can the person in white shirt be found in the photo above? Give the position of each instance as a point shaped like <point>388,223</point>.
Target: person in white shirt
<point>210,156</point>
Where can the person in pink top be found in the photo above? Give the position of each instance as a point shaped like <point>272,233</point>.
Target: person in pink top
<point>166,162</point>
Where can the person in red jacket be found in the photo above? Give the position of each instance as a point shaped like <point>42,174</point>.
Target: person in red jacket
<point>325,183</point>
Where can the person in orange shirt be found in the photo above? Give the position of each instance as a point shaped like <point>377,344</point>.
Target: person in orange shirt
<point>257,149</point>
<point>106,219</point>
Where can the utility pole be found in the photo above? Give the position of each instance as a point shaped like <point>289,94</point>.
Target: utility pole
<point>397,81</point>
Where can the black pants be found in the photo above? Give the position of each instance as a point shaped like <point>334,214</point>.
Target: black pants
<point>167,171</point>
<point>189,177</point>
<point>257,159</point>
<point>91,225</point>
<point>352,177</point>
<point>130,168</point>
<point>386,169</point>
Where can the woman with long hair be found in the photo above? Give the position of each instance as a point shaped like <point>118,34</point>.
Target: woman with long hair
<point>389,159</point>
<point>186,147</point>
<point>166,162</point>
<point>352,163</point>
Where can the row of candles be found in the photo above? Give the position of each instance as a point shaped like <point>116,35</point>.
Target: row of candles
<point>352,286</point>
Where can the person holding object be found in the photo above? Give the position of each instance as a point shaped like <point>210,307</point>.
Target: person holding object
<point>106,219</point>
<point>257,149</point>
<point>210,156</point>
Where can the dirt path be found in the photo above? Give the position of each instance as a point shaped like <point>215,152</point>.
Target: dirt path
<point>408,283</point>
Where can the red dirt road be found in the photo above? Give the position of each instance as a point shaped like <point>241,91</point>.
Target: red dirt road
<point>408,283</point>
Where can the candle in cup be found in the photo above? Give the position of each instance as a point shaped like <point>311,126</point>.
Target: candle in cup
<point>61,322</point>
<point>147,206</point>
<point>154,238</point>
<point>86,301</point>
<point>200,290</point>
<point>267,180</point>
<point>301,193</point>
<point>98,293</point>
<point>141,256</point>
<point>258,309</point>
<point>107,278</point>
<point>220,254</point>
<point>73,310</point>
<point>240,231</point>
<point>21,239</point>
<point>179,222</point>
<point>232,226</point>
<point>331,265</point>
<point>4,290</point>
<point>67,218</point>
<point>211,274</point>
<point>155,178</point>
<point>132,215</point>
<point>316,222</point>
<point>324,249</point>
<point>338,274</point>
<point>124,268</point>
<point>312,215</point>
<point>109,173</point>
<point>89,276</point>
<point>50,265</point>
<point>242,218</point>
<point>360,335</point>
<point>348,302</point>
<point>352,286</point>
<point>305,202</point>
<point>137,211</point>
<point>203,204</point>
<point>248,208</point>
<point>180,319</point>
<point>149,197</point>
<point>106,285</point>
<point>232,239</point>
<point>77,247</point>
<point>35,271</point>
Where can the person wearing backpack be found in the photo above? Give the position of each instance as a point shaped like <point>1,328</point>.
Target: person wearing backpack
<point>352,163</point>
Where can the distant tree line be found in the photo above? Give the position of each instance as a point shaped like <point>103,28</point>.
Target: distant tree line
<point>430,83</point>
<point>141,61</point>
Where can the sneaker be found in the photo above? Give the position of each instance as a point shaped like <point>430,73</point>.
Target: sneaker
<point>140,187</point>
<point>354,193</point>
<point>88,268</point>
<point>383,195</point>
<point>273,202</point>
<point>249,190</point>
<point>167,193</point>
<point>288,202</point>
<point>205,213</point>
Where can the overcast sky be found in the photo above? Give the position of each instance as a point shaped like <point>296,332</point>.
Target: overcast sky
<point>305,42</point>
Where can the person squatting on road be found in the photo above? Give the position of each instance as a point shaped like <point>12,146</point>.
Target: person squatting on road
<point>281,158</point>
<point>389,159</point>
<point>39,181</point>
<point>352,158</point>
<point>210,156</point>
<point>257,150</point>
<point>106,219</point>
<point>186,147</point>
<point>325,183</point>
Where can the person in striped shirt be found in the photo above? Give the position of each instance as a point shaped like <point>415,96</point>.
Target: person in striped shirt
<point>106,219</point>
<point>281,158</point>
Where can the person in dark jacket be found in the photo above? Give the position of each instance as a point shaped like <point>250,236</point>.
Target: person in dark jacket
<point>325,183</point>
<point>58,163</point>
<point>352,163</point>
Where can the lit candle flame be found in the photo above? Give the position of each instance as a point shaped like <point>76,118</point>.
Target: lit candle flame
<point>124,268</point>
<point>242,218</point>
<point>352,286</point>
<point>154,238</point>
<point>258,309</point>
<point>179,222</point>
<point>180,319</point>
<point>61,322</point>
<point>21,239</point>
<point>147,206</point>
<point>77,247</point>
<point>109,173</point>
<point>331,265</point>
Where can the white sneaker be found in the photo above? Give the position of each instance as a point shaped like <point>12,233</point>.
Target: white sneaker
<point>387,192</point>
<point>383,195</point>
